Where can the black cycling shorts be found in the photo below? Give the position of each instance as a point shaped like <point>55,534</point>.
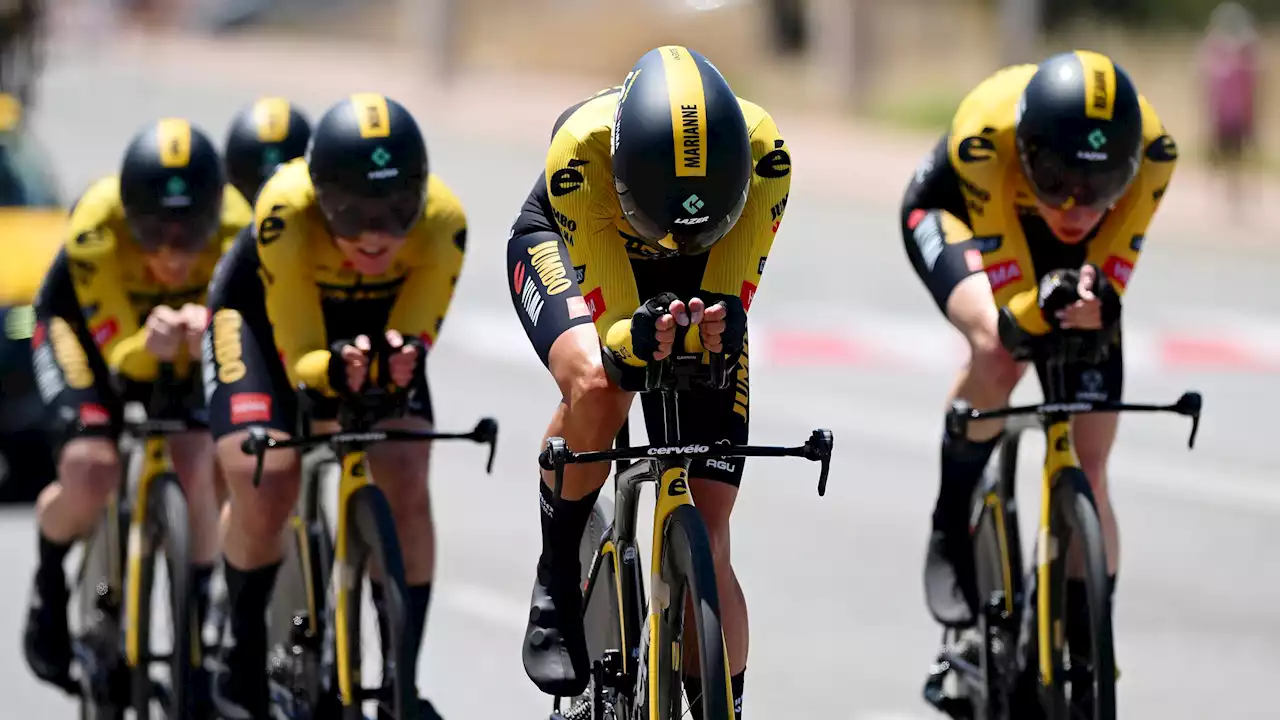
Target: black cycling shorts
<point>245,382</point>
<point>942,262</point>
<point>706,416</point>
<point>81,397</point>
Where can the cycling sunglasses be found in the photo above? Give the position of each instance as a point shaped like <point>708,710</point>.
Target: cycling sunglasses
<point>349,216</point>
<point>1060,186</point>
<point>190,235</point>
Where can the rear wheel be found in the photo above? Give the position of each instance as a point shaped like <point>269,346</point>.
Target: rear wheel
<point>603,621</point>
<point>165,535</point>
<point>997,596</point>
<point>687,568</point>
<point>95,638</point>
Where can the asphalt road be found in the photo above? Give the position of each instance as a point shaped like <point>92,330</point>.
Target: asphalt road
<point>833,583</point>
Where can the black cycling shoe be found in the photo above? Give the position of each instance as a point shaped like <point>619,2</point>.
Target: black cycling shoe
<point>46,639</point>
<point>232,690</point>
<point>555,644</point>
<point>426,711</point>
<point>950,582</point>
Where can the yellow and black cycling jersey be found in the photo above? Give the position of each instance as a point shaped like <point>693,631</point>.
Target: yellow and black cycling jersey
<point>993,214</point>
<point>113,286</point>
<point>314,296</point>
<point>580,195</point>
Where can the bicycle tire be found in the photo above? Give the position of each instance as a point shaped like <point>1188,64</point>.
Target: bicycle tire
<point>98,621</point>
<point>1075,510</point>
<point>687,566</point>
<point>167,526</point>
<point>993,535</point>
<point>371,535</point>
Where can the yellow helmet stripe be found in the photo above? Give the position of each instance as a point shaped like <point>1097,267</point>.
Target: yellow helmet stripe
<point>271,119</point>
<point>1099,85</point>
<point>174,137</point>
<point>688,110</point>
<point>371,112</point>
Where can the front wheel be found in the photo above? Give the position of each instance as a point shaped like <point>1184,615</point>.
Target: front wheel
<point>371,538</point>
<point>1085,669</point>
<point>687,568</point>
<point>165,532</point>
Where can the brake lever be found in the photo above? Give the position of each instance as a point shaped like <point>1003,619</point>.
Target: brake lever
<point>487,432</point>
<point>1189,405</point>
<point>958,418</point>
<point>256,445</point>
<point>818,447</point>
<point>553,457</point>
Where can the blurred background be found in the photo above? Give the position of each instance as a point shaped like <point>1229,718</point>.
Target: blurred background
<point>843,336</point>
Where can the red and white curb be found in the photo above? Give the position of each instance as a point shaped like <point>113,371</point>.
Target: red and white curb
<point>908,344</point>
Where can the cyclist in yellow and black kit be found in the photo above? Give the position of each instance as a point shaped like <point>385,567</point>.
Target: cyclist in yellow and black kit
<point>263,136</point>
<point>356,240</point>
<point>1049,174</point>
<point>125,293</point>
<point>658,206</point>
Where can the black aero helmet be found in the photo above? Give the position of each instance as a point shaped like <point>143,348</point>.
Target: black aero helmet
<point>262,136</point>
<point>171,185</point>
<point>368,163</point>
<point>681,153</point>
<point>1079,131</point>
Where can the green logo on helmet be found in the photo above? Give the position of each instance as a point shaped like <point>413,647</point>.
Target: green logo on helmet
<point>380,156</point>
<point>693,204</point>
<point>1097,139</point>
<point>175,186</point>
<point>271,156</point>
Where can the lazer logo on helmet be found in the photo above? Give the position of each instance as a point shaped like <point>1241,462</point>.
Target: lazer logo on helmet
<point>545,258</point>
<point>678,450</point>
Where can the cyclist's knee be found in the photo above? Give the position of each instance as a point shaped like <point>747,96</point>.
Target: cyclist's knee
<point>259,512</point>
<point>193,457</point>
<point>597,407</point>
<point>89,469</point>
<point>991,365</point>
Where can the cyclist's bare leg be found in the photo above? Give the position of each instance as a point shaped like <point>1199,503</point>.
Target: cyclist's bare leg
<point>987,381</point>
<point>257,515</point>
<point>589,415</point>
<point>253,550</point>
<point>591,409</point>
<point>1095,434</point>
<point>193,461</point>
<point>88,475</point>
<point>989,378</point>
<point>714,500</point>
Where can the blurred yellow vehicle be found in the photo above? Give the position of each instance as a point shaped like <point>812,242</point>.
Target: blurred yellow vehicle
<point>33,228</point>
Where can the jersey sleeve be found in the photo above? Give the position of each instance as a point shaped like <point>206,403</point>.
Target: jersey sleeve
<point>1119,255</point>
<point>292,296</point>
<point>737,262</point>
<point>94,261</point>
<point>578,176</point>
<point>427,292</point>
